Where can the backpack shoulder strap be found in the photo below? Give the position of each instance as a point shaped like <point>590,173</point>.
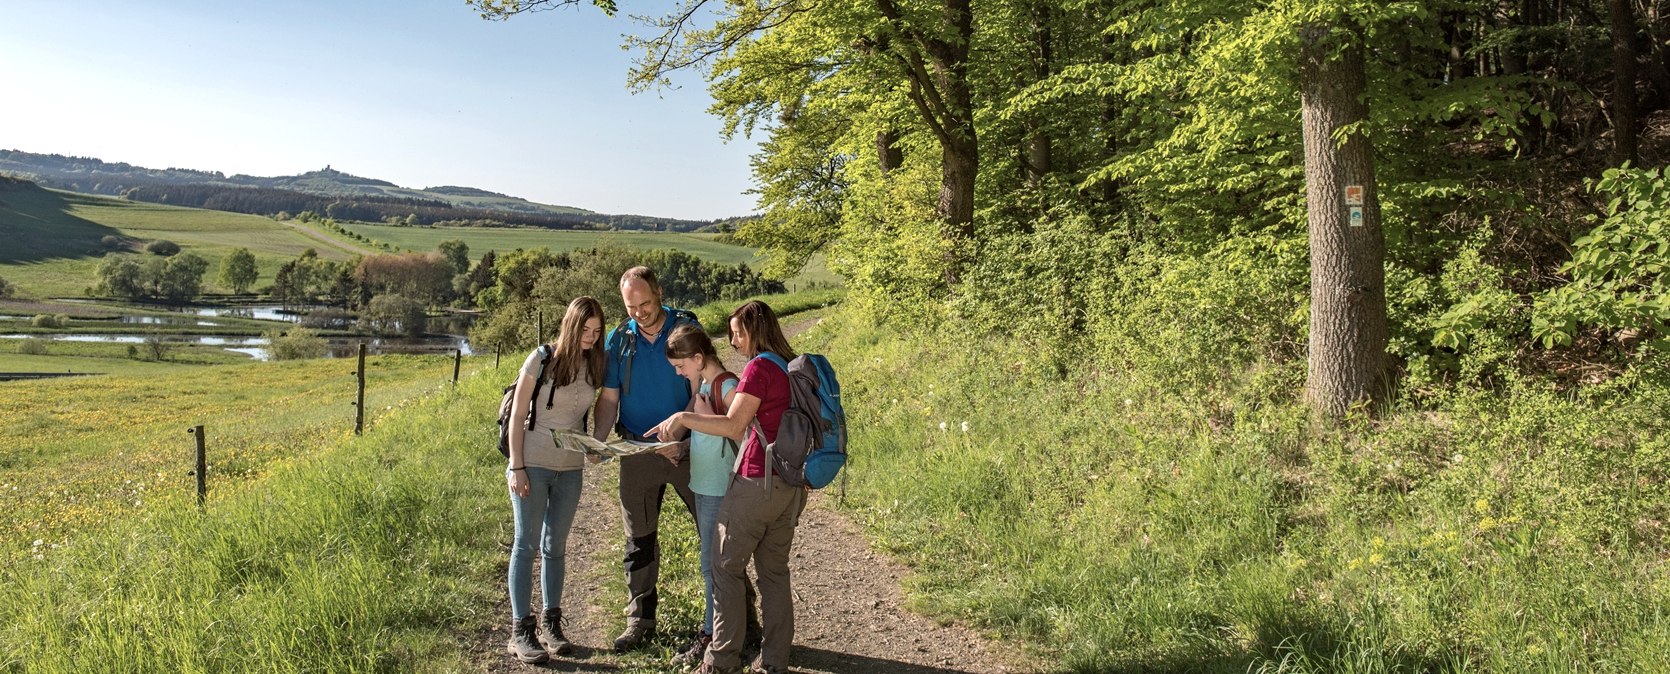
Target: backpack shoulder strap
<point>685,315</point>
<point>775,359</point>
<point>545,354</point>
<point>716,391</point>
<point>624,342</point>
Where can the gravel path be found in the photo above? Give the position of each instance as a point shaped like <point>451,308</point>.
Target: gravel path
<point>849,614</point>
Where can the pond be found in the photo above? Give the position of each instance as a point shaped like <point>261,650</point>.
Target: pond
<point>335,347</point>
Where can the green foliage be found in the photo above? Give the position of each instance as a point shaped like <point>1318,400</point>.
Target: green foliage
<point>120,276</point>
<point>238,271</point>
<point>50,321</point>
<point>456,253</point>
<point>1193,319</point>
<point>1464,327</point>
<point>7,290</point>
<point>1620,270</point>
<point>162,247</point>
<point>157,347</point>
<point>177,278</point>
<point>296,343</point>
<point>394,314</point>
<point>33,346</point>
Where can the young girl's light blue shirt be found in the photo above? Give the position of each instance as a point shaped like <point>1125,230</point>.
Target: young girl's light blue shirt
<point>711,457</point>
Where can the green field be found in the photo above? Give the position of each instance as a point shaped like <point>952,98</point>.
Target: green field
<point>53,238</point>
<point>85,450</point>
<point>483,239</point>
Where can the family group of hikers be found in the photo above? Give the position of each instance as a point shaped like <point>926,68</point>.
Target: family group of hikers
<point>655,379</point>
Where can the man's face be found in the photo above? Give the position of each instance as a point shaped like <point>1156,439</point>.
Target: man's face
<point>642,304</point>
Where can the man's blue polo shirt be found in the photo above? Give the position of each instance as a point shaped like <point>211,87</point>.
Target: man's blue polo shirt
<point>657,392</point>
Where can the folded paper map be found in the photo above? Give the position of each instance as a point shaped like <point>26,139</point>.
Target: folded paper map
<point>580,442</point>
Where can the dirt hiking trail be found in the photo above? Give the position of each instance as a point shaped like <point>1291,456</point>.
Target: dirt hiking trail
<point>849,614</point>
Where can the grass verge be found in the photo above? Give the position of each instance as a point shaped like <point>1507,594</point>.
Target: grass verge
<point>1123,527</point>
<point>361,557</point>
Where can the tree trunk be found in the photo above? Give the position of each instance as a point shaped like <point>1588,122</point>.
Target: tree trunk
<point>961,150</point>
<point>1038,150</point>
<point>888,153</point>
<point>1625,116</point>
<point>1347,360</point>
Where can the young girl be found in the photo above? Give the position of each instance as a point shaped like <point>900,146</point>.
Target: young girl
<point>544,480</point>
<point>760,512</point>
<point>711,456</point>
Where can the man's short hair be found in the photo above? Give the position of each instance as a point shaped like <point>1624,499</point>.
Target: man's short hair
<point>644,274</point>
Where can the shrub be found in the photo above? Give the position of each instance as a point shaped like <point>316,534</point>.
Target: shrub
<point>1619,279</point>
<point>295,344</point>
<point>48,321</point>
<point>157,348</point>
<point>7,289</point>
<point>162,247</point>
<point>33,346</point>
<point>394,314</point>
<point>113,242</point>
<point>329,318</point>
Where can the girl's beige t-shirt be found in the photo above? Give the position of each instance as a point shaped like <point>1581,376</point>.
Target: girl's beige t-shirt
<point>568,408</point>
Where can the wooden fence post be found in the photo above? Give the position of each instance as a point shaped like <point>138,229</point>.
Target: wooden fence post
<point>202,465</point>
<point>359,403</point>
<point>457,360</point>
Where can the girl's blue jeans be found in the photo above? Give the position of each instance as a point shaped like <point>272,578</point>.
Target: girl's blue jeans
<point>707,529</point>
<point>543,516</point>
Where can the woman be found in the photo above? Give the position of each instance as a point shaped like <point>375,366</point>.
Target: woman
<point>544,479</point>
<point>711,457</point>
<point>760,511</point>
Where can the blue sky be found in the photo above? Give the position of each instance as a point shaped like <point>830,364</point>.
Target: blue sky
<point>416,92</point>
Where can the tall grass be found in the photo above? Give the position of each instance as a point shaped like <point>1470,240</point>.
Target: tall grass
<point>1118,525</point>
<point>81,451</point>
<point>363,558</point>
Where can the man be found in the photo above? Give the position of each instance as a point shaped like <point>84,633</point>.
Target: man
<point>642,389</point>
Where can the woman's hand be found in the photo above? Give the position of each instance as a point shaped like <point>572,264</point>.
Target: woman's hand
<point>670,429</point>
<point>518,480</point>
<point>702,405</point>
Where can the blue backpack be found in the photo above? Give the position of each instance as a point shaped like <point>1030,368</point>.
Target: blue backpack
<point>811,444</point>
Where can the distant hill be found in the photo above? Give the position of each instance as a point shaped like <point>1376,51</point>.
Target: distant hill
<point>346,196</point>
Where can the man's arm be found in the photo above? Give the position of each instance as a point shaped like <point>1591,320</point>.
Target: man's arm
<point>606,413</point>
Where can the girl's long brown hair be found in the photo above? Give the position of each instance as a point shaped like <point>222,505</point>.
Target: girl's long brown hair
<point>568,359</point>
<point>764,332</point>
<point>688,340</point>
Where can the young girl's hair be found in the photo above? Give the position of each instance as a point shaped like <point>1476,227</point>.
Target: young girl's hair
<point>764,332</point>
<point>688,340</point>
<point>569,360</point>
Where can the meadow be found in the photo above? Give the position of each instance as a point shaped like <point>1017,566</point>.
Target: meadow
<point>83,451</point>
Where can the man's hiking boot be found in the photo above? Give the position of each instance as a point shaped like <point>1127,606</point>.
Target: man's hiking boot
<point>524,644</point>
<point>551,635</point>
<point>710,669</point>
<point>638,632</point>
<point>693,653</point>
